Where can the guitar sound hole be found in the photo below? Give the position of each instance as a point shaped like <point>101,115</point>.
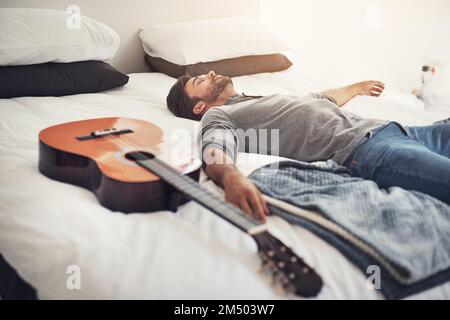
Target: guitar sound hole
<point>139,155</point>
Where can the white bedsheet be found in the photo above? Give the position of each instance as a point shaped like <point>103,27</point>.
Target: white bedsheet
<point>47,226</point>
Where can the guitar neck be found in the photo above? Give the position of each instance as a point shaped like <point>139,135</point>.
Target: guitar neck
<point>194,191</point>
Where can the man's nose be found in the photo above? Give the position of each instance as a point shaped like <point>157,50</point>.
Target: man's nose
<point>211,74</point>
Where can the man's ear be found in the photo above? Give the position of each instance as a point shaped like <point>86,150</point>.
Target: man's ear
<point>200,107</point>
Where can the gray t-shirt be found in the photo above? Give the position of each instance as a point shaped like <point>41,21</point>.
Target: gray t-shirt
<point>308,128</point>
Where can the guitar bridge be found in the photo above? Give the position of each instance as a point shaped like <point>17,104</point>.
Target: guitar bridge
<point>104,133</point>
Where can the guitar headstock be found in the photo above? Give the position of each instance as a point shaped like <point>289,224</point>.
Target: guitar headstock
<point>288,270</point>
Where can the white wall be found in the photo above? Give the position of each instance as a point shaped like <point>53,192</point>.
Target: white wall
<point>127,16</point>
<point>351,40</point>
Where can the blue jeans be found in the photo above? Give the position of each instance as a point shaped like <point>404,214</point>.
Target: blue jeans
<point>414,158</point>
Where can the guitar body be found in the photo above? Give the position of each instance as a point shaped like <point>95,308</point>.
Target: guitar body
<point>83,153</point>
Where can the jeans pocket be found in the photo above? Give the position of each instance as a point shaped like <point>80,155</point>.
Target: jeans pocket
<point>351,159</point>
<point>357,169</point>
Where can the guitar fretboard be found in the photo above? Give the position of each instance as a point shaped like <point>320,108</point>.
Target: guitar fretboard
<point>194,191</point>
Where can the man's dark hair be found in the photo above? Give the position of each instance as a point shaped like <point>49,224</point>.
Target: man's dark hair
<point>179,103</point>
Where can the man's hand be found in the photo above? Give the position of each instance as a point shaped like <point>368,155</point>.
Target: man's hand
<point>369,88</point>
<point>365,88</point>
<point>239,191</point>
<point>242,193</point>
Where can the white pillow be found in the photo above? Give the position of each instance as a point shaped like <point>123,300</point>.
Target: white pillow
<point>208,40</point>
<point>31,36</point>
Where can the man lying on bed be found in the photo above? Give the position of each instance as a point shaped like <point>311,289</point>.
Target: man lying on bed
<point>311,128</point>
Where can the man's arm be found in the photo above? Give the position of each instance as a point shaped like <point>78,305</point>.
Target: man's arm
<point>239,190</point>
<point>365,88</point>
<point>218,145</point>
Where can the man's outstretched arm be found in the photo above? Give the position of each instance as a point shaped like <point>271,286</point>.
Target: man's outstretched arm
<point>365,88</point>
<point>239,190</point>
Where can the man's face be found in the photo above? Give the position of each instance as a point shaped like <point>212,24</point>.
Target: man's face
<point>207,87</point>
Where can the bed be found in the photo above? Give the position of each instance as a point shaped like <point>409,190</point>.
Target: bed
<point>47,227</point>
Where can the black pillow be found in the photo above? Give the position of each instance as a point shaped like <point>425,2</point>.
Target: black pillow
<point>59,79</point>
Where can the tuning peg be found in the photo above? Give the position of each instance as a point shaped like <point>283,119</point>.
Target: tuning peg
<point>288,288</point>
<point>280,277</point>
<point>277,276</point>
<point>269,268</point>
<point>281,290</point>
<point>264,267</point>
<point>286,284</point>
<point>283,285</point>
<point>262,256</point>
<point>274,276</point>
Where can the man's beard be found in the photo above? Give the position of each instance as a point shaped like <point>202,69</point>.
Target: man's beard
<point>217,88</point>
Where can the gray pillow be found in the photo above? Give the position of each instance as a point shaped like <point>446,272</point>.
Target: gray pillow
<point>233,67</point>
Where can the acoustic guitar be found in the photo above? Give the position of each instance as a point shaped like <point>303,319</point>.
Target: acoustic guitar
<point>129,167</point>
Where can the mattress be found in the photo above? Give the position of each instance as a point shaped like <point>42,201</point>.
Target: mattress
<point>48,227</point>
